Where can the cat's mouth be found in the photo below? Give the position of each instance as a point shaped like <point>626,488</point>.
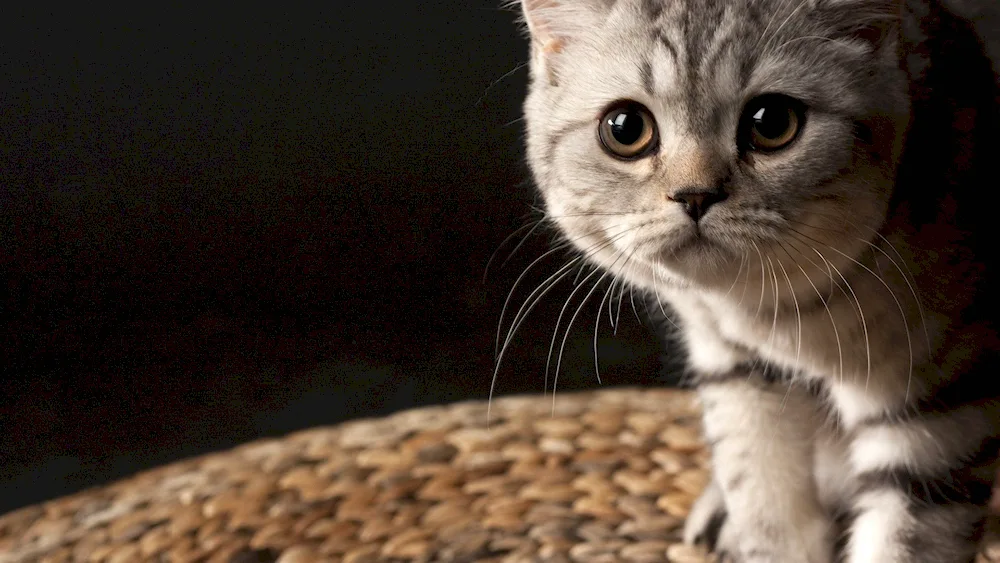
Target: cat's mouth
<point>693,244</point>
<point>691,249</point>
<point>683,247</point>
<point>693,238</point>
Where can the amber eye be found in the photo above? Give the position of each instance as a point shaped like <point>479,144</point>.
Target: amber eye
<point>628,131</point>
<point>771,122</point>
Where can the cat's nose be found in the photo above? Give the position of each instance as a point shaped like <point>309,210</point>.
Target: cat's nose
<point>696,201</point>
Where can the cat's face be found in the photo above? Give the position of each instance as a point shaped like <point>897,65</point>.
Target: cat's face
<point>697,141</point>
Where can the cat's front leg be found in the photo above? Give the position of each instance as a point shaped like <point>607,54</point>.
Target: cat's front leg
<point>761,437</point>
<point>923,480</point>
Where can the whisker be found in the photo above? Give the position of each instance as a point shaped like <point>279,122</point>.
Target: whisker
<point>774,34</point>
<point>531,302</point>
<point>774,320</point>
<point>562,312</point>
<point>524,239</point>
<point>615,279</point>
<point>533,225</point>
<point>621,295</point>
<point>569,326</point>
<point>861,313</point>
<point>736,278</point>
<point>631,298</point>
<point>795,301</point>
<point>902,312</point>
<point>597,324</point>
<point>770,21</point>
<point>760,256</point>
<point>535,296</point>
<point>838,232</point>
<point>804,37</point>
<point>833,322</point>
<point>510,72</point>
<point>579,273</point>
<point>519,318</point>
<point>856,302</point>
<point>611,303</point>
<point>656,293</point>
<point>619,214</point>
<point>517,282</point>
<point>746,282</point>
<point>532,299</point>
<point>907,276</point>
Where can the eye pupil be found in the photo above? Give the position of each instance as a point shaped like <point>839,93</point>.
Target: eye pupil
<point>627,127</point>
<point>771,123</point>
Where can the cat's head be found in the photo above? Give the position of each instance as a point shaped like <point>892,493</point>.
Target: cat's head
<point>682,140</point>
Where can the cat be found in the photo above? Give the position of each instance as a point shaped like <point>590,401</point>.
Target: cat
<point>807,184</point>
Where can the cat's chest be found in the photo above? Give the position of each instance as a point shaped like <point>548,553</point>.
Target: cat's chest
<point>833,339</point>
<point>715,323</point>
<point>748,328</point>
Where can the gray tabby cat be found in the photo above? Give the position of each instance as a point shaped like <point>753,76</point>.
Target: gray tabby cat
<point>807,183</point>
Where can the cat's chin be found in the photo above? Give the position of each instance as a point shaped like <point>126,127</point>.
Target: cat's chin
<point>698,260</point>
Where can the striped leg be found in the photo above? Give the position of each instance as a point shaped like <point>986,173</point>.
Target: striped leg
<point>924,483</point>
<point>761,440</point>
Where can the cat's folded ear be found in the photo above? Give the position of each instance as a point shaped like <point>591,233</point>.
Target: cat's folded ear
<point>553,24</point>
<point>871,21</point>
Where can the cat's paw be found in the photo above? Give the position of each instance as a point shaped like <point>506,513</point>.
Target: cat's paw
<point>758,540</point>
<point>807,539</point>
<point>706,519</point>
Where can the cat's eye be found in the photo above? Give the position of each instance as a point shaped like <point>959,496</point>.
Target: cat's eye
<point>771,122</point>
<point>628,131</point>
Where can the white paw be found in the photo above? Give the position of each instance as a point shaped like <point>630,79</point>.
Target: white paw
<point>805,539</point>
<point>706,518</point>
<point>758,536</point>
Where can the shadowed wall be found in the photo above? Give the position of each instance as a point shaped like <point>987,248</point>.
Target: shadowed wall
<point>220,224</point>
<point>217,226</point>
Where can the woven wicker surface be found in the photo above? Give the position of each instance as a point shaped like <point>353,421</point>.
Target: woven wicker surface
<point>608,477</point>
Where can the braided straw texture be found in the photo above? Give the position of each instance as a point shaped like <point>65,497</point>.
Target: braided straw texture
<point>608,476</point>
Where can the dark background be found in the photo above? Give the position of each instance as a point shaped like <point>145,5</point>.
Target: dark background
<point>222,223</point>
<point>218,224</point>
